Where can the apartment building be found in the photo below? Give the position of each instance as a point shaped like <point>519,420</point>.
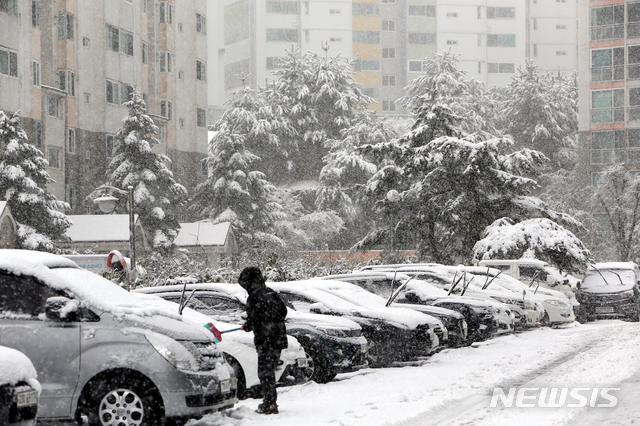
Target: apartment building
<point>69,65</point>
<point>389,39</point>
<point>609,85</point>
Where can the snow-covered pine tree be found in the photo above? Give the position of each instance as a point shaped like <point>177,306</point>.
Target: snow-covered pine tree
<point>236,190</point>
<point>322,100</point>
<point>23,181</point>
<point>541,113</point>
<point>157,196</point>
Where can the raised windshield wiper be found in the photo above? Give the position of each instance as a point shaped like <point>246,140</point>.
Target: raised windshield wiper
<point>487,284</point>
<point>602,276</point>
<point>395,294</point>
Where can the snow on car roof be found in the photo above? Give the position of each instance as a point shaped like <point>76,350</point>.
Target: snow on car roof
<point>323,292</point>
<point>16,367</point>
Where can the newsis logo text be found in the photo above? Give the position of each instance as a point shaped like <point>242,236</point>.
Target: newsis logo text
<point>554,397</point>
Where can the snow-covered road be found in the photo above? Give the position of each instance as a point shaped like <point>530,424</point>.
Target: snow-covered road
<point>455,387</point>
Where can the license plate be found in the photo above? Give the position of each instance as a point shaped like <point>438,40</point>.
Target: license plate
<point>225,386</point>
<point>302,362</point>
<point>27,398</point>
<point>604,309</point>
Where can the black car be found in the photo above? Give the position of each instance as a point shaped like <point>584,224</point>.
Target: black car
<point>335,345</point>
<point>385,283</point>
<point>610,290</point>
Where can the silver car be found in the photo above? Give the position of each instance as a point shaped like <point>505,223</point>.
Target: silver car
<point>105,355</point>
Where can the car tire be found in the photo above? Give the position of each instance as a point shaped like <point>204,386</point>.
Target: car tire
<point>130,401</point>
<point>545,320</point>
<point>376,355</point>
<point>323,371</point>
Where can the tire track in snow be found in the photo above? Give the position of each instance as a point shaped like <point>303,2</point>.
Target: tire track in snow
<point>471,409</point>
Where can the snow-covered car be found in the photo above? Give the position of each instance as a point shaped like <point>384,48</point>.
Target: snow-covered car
<point>392,334</point>
<point>19,389</point>
<point>558,308</point>
<point>610,290</point>
<point>238,346</point>
<point>335,345</point>
<point>96,346</point>
<point>383,285</point>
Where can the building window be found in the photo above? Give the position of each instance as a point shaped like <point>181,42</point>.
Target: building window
<point>561,53</point>
<point>561,27</point>
<point>633,20</point>
<point>201,24</point>
<point>415,66</point>
<point>274,62</point>
<point>501,13</point>
<point>8,63</point>
<point>388,52</point>
<point>201,117</point>
<point>35,13</point>
<point>479,40</point>
<point>633,60</point>
<point>165,61</point>
<point>388,1</point>
<point>87,98</point>
<point>37,134</point>
<point>535,23</point>
<point>479,67</point>
<point>366,37</point>
<point>112,146</point>
<point>201,70</point>
<point>535,50</point>
<point>367,65</point>
<point>388,106</point>
<point>72,196</point>
<point>365,9</point>
<point>388,25</point>
<point>608,146</point>
<point>71,140</point>
<point>421,38</point>
<point>9,6</point>
<point>388,80</point>
<point>165,12</point>
<point>335,39</point>
<point>126,92</point>
<point>145,53</point>
<point>65,25</point>
<point>126,43</point>
<point>113,90</point>
<point>501,40</point>
<point>53,103</point>
<point>452,42</point>
<point>331,11</point>
<point>607,23</point>
<point>35,70</point>
<point>85,42</point>
<point>634,104</point>
<point>180,75</point>
<point>284,7</point>
<point>502,68</point>
<point>181,123</point>
<point>67,82</point>
<point>54,157</point>
<point>452,14</point>
<point>282,34</point>
<point>608,64</point>
<point>607,106</point>
<point>166,109</point>
<point>415,10</point>
<point>112,38</point>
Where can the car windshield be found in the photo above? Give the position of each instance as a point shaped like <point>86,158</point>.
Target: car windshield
<point>613,279</point>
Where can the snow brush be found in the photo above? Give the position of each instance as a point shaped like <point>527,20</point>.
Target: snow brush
<point>217,334</point>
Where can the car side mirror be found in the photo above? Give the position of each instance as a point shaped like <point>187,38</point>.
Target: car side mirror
<point>62,309</point>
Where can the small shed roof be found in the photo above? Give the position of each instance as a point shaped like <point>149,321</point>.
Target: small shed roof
<point>203,233</point>
<point>99,227</point>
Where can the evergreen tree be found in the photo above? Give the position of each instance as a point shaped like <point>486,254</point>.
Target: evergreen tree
<point>236,189</point>
<point>23,181</point>
<point>541,113</point>
<point>157,196</point>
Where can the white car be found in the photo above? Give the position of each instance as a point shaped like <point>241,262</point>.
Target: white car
<point>19,389</point>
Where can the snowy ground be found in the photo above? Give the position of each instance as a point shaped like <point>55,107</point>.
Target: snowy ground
<point>455,387</point>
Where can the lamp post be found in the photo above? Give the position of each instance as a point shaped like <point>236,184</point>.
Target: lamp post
<point>393,197</point>
<point>107,204</point>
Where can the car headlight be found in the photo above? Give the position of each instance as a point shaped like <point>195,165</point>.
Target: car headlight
<point>335,332</point>
<point>172,351</point>
<point>555,302</point>
<point>627,293</point>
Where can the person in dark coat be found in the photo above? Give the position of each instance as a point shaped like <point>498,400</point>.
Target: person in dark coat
<point>266,313</point>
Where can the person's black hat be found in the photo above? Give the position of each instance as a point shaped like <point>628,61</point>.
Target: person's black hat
<point>250,275</point>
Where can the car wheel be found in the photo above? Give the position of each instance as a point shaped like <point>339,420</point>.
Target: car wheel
<point>323,372</point>
<point>376,356</point>
<point>545,320</point>
<point>118,401</point>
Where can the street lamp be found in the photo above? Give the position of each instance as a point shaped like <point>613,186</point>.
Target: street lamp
<point>106,204</point>
<point>393,197</point>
